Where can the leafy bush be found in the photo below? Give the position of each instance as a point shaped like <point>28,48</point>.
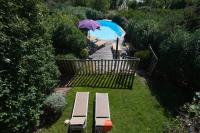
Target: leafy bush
<point>145,57</point>
<point>84,53</point>
<point>192,17</point>
<point>143,33</point>
<point>133,4</point>
<point>27,71</point>
<point>188,119</point>
<point>174,4</point>
<point>102,5</point>
<point>80,12</point>
<point>181,52</point>
<point>53,107</point>
<point>68,38</point>
<point>54,103</point>
<point>65,56</point>
<point>122,21</point>
<point>94,14</point>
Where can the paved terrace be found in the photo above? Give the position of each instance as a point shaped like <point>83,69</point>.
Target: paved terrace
<point>105,52</point>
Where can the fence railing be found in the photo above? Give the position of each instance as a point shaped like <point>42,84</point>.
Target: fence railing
<point>83,67</point>
<point>111,68</point>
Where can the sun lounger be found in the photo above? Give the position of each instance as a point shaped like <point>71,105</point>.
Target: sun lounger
<point>102,113</point>
<point>79,114</point>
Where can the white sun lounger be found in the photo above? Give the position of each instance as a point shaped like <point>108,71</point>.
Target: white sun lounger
<point>79,114</point>
<point>102,111</point>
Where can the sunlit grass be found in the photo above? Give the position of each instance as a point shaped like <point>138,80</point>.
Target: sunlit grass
<point>132,111</point>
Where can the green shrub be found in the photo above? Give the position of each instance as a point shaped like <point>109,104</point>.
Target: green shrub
<point>122,21</point>
<point>84,53</point>
<point>53,107</point>
<point>80,12</point>
<point>143,33</point>
<point>192,17</point>
<point>102,5</point>
<point>58,18</point>
<point>188,119</point>
<point>68,39</point>
<point>55,103</point>
<point>94,14</point>
<point>27,71</point>
<point>133,4</point>
<point>181,52</point>
<point>145,58</point>
<point>65,56</point>
<point>178,4</point>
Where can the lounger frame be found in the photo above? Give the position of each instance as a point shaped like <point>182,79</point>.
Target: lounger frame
<point>79,127</point>
<point>99,128</point>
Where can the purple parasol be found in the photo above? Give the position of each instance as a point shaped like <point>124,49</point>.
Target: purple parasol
<point>88,24</point>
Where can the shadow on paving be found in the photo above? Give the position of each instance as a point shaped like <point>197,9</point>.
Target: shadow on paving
<point>115,81</point>
<point>170,96</point>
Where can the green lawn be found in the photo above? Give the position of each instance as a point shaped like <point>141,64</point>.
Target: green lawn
<point>132,111</point>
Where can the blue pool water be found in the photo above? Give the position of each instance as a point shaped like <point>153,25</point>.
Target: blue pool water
<point>108,31</point>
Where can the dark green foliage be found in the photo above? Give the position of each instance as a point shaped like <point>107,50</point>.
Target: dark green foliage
<point>102,5</point>
<point>143,33</point>
<point>145,57</point>
<point>65,56</point>
<point>114,4</point>
<point>80,2</point>
<point>181,52</point>
<point>133,4</point>
<point>84,53</point>
<point>178,4</point>
<point>189,118</point>
<point>192,17</point>
<point>172,4</point>
<point>80,12</point>
<point>27,70</point>
<point>68,38</point>
<point>94,14</point>
<point>122,21</point>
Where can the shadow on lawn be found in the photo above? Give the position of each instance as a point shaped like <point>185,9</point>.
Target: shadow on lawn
<point>170,96</point>
<point>117,81</point>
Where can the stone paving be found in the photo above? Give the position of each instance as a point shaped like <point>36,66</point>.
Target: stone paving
<point>103,53</point>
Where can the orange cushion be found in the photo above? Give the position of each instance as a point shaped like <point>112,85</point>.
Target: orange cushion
<point>107,125</point>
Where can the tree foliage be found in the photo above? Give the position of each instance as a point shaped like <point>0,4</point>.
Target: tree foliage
<point>68,38</point>
<point>27,70</point>
<point>143,33</point>
<point>181,52</point>
<point>102,5</point>
<point>192,17</point>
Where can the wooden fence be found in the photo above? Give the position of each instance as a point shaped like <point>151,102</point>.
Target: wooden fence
<point>123,69</point>
<point>153,62</point>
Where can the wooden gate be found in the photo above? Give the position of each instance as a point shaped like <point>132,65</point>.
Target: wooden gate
<point>120,72</point>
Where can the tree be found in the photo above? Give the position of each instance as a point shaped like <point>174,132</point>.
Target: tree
<point>68,38</point>
<point>192,17</point>
<point>27,70</point>
<point>179,57</point>
<point>102,5</point>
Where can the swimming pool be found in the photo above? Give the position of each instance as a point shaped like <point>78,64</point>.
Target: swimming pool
<point>108,31</point>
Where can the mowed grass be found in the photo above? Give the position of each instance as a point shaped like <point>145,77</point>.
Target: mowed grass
<point>132,111</point>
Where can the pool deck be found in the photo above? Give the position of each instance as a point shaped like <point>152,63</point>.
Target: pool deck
<point>103,53</point>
